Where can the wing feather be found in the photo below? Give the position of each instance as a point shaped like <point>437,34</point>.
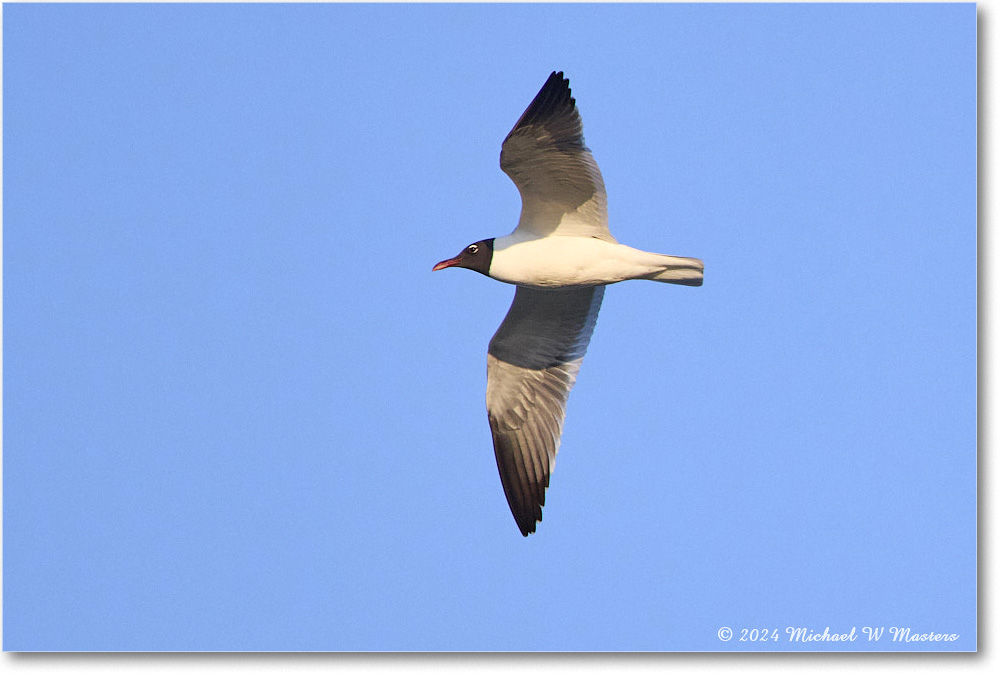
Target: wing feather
<point>562,190</point>
<point>532,365</point>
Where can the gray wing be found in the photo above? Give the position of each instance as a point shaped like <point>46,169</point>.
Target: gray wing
<point>561,188</point>
<point>532,364</point>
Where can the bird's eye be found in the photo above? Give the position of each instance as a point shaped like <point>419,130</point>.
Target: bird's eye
<point>473,249</point>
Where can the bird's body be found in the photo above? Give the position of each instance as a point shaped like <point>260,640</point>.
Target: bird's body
<point>580,261</point>
<point>560,257</point>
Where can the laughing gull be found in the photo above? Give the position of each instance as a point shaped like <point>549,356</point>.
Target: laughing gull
<point>560,256</point>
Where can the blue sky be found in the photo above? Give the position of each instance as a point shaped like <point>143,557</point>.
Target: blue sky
<point>240,412</point>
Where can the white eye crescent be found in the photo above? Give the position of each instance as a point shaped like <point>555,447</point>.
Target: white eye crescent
<point>473,249</point>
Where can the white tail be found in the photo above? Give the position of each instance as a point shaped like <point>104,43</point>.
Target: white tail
<point>678,270</point>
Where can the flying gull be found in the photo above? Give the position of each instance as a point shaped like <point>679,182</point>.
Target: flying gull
<point>560,257</point>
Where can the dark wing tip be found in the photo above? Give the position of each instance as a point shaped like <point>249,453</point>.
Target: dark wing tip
<point>523,488</point>
<point>527,516</point>
<point>554,99</point>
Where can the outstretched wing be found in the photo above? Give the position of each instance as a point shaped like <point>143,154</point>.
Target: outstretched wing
<point>532,364</point>
<point>562,191</point>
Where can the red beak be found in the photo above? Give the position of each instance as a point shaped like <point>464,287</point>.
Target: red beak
<point>450,262</point>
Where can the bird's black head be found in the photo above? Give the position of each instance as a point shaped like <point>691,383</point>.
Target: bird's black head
<point>476,257</point>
